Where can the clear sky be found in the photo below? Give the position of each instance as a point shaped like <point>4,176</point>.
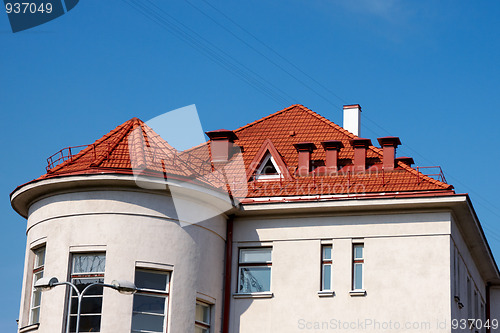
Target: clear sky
<point>426,71</point>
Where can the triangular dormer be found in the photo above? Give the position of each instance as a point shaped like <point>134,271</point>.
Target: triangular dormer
<point>268,164</point>
<point>268,169</point>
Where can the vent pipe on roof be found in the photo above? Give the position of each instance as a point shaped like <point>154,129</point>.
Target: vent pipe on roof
<point>332,148</point>
<point>389,145</point>
<point>221,144</point>
<point>352,118</point>
<point>304,149</point>
<point>360,146</point>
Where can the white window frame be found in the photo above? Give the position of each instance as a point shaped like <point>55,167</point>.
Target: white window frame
<point>241,265</point>
<point>355,262</point>
<point>83,276</point>
<point>324,263</point>
<point>260,176</point>
<point>38,269</point>
<point>154,293</point>
<point>202,324</point>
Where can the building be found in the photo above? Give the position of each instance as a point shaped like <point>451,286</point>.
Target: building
<point>288,224</point>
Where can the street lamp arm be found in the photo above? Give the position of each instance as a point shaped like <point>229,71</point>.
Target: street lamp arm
<point>68,284</point>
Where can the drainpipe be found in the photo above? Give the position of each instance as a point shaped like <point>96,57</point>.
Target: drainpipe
<point>227,275</point>
<point>488,314</point>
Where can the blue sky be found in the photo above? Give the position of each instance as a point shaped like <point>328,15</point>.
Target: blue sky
<point>426,71</point>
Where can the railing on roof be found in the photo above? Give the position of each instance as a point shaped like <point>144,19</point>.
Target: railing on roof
<point>434,172</point>
<point>63,155</point>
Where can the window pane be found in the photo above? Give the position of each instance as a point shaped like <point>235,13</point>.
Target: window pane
<point>327,252</point>
<point>327,277</point>
<point>151,304</point>
<point>268,168</point>
<point>147,322</point>
<point>358,276</point>
<point>39,257</point>
<point>255,255</point>
<point>255,279</point>
<point>89,305</point>
<point>151,280</point>
<point>358,251</point>
<point>87,324</point>
<point>37,296</point>
<point>89,263</point>
<point>35,315</point>
<point>202,313</point>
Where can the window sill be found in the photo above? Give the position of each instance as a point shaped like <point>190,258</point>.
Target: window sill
<point>29,328</point>
<point>359,292</point>
<point>326,293</point>
<point>266,294</point>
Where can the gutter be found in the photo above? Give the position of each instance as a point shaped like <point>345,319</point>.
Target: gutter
<point>227,275</point>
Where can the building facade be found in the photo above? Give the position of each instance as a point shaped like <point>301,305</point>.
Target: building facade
<point>288,224</point>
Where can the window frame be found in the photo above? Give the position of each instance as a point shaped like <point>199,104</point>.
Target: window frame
<point>201,324</point>
<point>37,269</point>
<point>326,262</point>
<point>260,176</point>
<point>355,262</point>
<point>83,276</point>
<point>241,265</point>
<point>153,293</point>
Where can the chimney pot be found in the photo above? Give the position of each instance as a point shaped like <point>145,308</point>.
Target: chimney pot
<point>360,145</point>
<point>406,160</point>
<point>221,144</point>
<point>352,121</point>
<point>304,149</point>
<point>389,145</point>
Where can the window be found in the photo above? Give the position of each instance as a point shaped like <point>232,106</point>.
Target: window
<point>326,267</point>
<point>254,270</point>
<point>202,318</point>
<point>150,301</point>
<point>87,268</point>
<point>36,298</point>
<point>268,169</point>
<point>357,267</point>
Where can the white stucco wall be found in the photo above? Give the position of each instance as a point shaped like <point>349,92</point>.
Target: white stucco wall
<point>134,228</point>
<point>407,275</point>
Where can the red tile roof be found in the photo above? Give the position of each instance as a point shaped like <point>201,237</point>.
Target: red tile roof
<point>135,141</point>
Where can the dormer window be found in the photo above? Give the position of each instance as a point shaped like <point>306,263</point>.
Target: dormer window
<point>268,169</point>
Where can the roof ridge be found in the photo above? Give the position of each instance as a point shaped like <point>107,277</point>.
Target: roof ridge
<point>127,126</point>
<point>267,117</point>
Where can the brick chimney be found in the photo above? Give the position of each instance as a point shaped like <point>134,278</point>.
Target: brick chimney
<point>304,149</point>
<point>389,145</point>
<point>360,145</point>
<point>221,144</point>
<point>332,148</point>
<point>352,115</point>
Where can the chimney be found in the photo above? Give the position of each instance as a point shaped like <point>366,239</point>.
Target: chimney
<point>406,160</point>
<point>221,144</point>
<point>389,145</point>
<point>360,145</point>
<point>332,148</point>
<point>352,115</point>
<point>304,149</point>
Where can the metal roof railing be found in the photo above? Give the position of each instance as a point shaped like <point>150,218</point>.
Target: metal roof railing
<point>63,155</point>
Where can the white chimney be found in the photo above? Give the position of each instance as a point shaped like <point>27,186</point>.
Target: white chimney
<point>352,115</point>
